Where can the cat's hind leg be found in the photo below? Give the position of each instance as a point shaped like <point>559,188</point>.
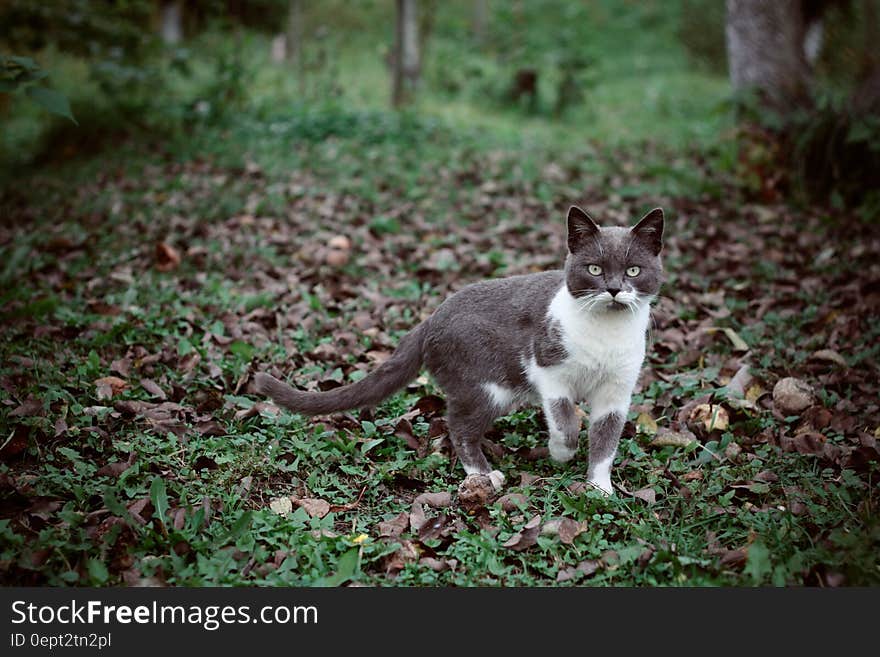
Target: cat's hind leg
<point>468,422</point>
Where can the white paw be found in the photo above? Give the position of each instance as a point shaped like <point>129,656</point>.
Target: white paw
<point>497,480</point>
<point>559,452</point>
<point>603,485</point>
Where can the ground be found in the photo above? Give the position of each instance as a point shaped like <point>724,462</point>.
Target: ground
<point>142,292</point>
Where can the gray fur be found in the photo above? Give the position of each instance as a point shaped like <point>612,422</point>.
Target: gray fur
<point>547,344</point>
<point>604,435</point>
<point>566,421</point>
<point>486,332</point>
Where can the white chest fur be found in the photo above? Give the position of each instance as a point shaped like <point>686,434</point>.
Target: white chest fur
<point>605,353</point>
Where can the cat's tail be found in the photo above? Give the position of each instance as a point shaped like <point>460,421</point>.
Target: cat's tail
<point>401,368</point>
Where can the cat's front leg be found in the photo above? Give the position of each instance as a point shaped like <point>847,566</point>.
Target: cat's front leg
<point>609,405</point>
<point>564,427</point>
<point>604,437</point>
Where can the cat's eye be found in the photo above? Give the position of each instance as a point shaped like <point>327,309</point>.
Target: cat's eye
<point>633,271</point>
<point>595,270</point>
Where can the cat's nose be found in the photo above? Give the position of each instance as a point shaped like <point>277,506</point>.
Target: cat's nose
<point>613,291</point>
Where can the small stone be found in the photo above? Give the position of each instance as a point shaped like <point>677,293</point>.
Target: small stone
<point>792,396</point>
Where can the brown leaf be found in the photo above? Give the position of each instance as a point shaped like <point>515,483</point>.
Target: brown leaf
<point>475,491</point>
<point>512,501</point>
<point>711,416</point>
<point>734,558</point>
<point>315,507</point>
<point>404,431</point>
<point>395,526</point>
<point>740,381</point>
<point>117,467</point>
<point>437,500</point>
<point>829,356</point>
<point>792,396</point>
<point>438,565</point>
<point>179,518</point>
<point>28,408</point>
<point>167,257</point>
<point>409,552</point>
<point>526,537</point>
<point>584,569</point>
<point>667,438</point>
<point>256,409</point>
<point>433,527</point>
<point>60,427</point>
<point>417,517</point>
<point>137,508</point>
<point>569,530</point>
<point>430,405</point>
<point>108,386</point>
<point>649,495</point>
<point>153,388</point>
<point>767,476</point>
<point>121,366</point>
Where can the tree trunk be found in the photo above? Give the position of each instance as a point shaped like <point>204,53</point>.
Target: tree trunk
<point>480,21</point>
<point>765,49</point>
<point>172,21</point>
<point>406,53</point>
<point>294,40</point>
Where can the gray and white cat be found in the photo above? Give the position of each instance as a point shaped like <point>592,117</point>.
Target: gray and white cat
<point>555,338</point>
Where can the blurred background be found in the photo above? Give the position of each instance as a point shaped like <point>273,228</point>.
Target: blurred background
<point>79,75</point>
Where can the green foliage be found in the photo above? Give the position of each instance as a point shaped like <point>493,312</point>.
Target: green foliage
<point>701,31</point>
<point>824,151</point>
<point>21,73</point>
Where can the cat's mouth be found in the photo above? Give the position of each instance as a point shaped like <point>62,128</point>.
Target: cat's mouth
<point>616,306</point>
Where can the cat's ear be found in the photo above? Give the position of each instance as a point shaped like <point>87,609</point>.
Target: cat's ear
<point>649,230</point>
<point>581,228</point>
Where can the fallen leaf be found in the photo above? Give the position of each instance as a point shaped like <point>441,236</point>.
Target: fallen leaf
<point>792,396</point>
<point>648,495</point>
<point>438,565</point>
<point>153,388</point>
<point>315,507</point>
<point>512,501</point>
<point>433,527</point>
<point>829,356</point>
<point>668,438</point>
<point>121,366</point>
<point>437,500</point>
<point>526,537</point>
<point>108,386</point>
<point>28,408</point>
<point>475,491</point>
<point>569,530</point>
<point>395,526</point>
<point>167,257</point>
<point>713,417</point>
<point>646,424</point>
<point>282,506</point>
<point>116,468</point>
<point>417,517</point>
<point>740,381</point>
<point>583,569</point>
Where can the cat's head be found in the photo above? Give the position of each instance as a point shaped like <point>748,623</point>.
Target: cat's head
<point>613,268</point>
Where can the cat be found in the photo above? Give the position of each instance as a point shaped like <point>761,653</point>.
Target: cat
<point>553,338</point>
